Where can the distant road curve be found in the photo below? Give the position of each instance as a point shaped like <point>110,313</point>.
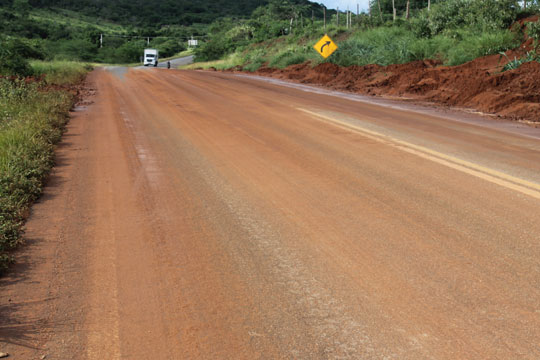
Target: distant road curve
<point>185,60</point>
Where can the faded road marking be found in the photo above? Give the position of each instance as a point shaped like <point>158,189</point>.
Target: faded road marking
<point>511,182</point>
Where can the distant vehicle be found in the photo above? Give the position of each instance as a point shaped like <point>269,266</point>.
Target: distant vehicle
<point>150,57</point>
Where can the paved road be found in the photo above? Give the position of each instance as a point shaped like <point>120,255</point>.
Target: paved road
<point>200,215</point>
<point>186,60</point>
<point>181,61</point>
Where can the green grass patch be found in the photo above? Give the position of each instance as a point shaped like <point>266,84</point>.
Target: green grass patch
<point>474,45</point>
<point>184,53</point>
<point>397,45</point>
<point>68,18</point>
<point>32,119</point>
<point>60,72</point>
<point>228,62</point>
<point>292,55</point>
<point>517,62</point>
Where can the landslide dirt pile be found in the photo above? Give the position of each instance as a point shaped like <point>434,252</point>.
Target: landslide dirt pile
<point>478,84</point>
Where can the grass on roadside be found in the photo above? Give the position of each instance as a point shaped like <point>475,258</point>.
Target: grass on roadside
<point>228,62</point>
<point>60,72</point>
<point>32,119</point>
<point>184,53</point>
<point>383,45</point>
<point>395,45</point>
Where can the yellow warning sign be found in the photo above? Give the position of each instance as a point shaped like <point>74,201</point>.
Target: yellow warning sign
<point>325,46</point>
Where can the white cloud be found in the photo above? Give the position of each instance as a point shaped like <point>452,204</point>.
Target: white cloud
<point>332,4</point>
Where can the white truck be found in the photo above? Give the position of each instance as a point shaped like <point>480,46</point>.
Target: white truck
<point>150,57</point>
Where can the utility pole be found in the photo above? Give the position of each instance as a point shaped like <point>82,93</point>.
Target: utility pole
<point>100,41</point>
<point>394,10</point>
<point>148,41</point>
<point>324,18</point>
<point>408,7</point>
<point>290,26</point>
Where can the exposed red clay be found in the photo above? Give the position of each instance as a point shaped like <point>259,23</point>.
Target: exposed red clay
<point>479,84</point>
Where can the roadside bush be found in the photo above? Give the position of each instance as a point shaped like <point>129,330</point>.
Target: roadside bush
<point>426,48</point>
<point>212,50</point>
<point>420,26</point>
<point>533,30</point>
<point>352,52</point>
<point>492,14</point>
<point>516,63</point>
<point>75,50</point>
<point>397,45</point>
<point>168,48</point>
<point>383,46</point>
<point>291,57</point>
<point>254,65</point>
<point>11,60</point>
<point>25,49</point>
<point>129,52</point>
<point>254,59</point>
<point>31,122</point>
<point>476,45</point>
<point>60,72</point>
<point>477,14</point>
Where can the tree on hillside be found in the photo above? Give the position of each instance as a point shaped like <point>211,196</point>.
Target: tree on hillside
<point>408,9</point>
<point>395,8</point>
<point>156,13</point>
<point>22,7</point>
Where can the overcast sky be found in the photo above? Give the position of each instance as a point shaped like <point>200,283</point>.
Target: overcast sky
<point>332,4</point>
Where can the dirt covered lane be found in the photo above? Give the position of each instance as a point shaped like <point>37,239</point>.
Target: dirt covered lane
<point>198,215</point>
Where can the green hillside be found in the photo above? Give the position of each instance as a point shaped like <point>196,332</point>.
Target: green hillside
<point>450,31</point>
<point>155,13</point>
<point>72,30</point>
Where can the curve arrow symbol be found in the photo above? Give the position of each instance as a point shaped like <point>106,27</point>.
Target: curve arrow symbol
<point>322,47</point>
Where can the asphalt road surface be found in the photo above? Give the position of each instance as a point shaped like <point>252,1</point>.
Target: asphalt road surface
<point>186,60</point>
<point>203,215</point>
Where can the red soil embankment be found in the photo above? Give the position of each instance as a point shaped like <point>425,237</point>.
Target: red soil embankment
<point>478,84</point>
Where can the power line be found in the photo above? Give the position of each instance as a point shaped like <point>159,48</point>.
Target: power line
<point>147,38</point>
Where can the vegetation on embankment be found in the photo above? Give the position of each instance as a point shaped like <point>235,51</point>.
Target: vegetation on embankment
<point>451,31</point>
<point>60,34</point>
<point>33,113</point>
<point>113,31</point>
<point>477,54</point>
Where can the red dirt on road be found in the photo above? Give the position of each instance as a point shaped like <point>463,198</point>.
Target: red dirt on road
<point>478,84</point>
<point>199,215</point>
